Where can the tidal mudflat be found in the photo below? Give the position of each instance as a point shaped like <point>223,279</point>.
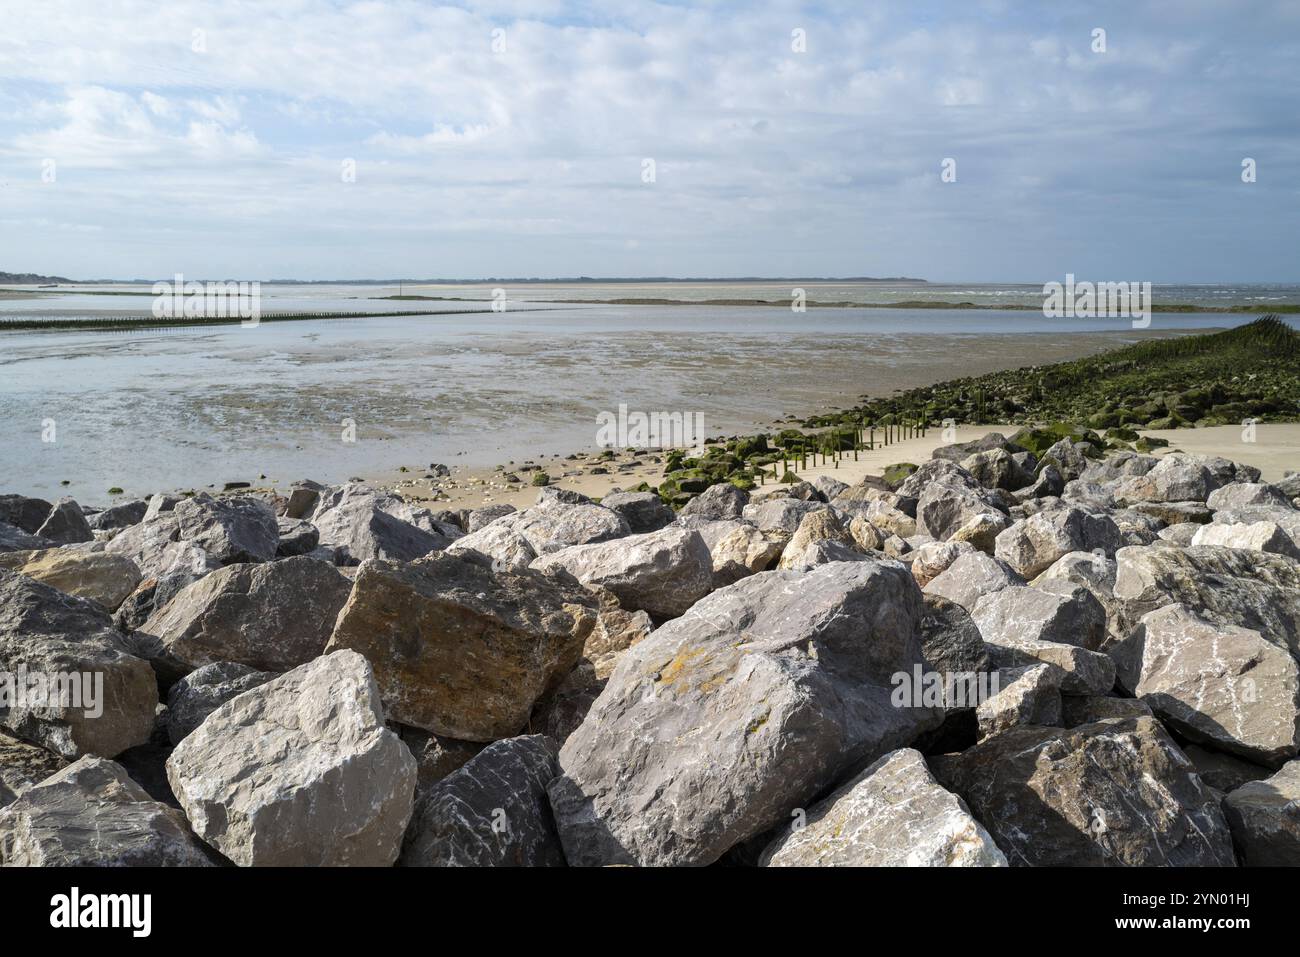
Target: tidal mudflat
<point>188,408</point>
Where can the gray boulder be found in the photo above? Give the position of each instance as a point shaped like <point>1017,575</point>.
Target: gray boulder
<point>491,812</point>
<point>358,525</point>
<point>1031,545</point>
<point>1256,536</point>
<point>686,752</point>
<point>23,512</point>
<point>300,771</point>
<point>486,514</point>
<point>1116,792</point>
<point>716,502</point>
<point>297,537</point>
<point>643,511</point>
<point>495,545</point>
<point>893,814</point>
<point>782,514</point>
<point>1221,684</point>
<point>270,617</point>
<point>239,529</point>
<point>22,766</point>
<point>1026,695</point>
<point>119,517</point>
<point>91,814</point>
<point>971,576</point>
<point>198,694</point>
<point>662,573</point>
<point>1265,819</point>
<point>1248,494</point>
<point>103,700</point>
<point>66,524</point>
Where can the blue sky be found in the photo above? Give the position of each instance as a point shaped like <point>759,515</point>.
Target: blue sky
<point>220,153</point>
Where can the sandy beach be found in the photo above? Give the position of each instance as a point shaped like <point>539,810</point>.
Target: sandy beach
<point>1274,451</point>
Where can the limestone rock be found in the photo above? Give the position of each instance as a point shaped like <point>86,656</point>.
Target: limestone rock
<point>23,512</point>
<point>687,752</point>
<point>100,576</point>
<point>1257,536</point>
<point>297,537</point>
<point>203,691</point>
<point>893,814</point>
<point>105,699</point>
<point>23,766</point>
<point>1247,494</point>
<point>91,814</point>
<point>491,812</point>
<point>299,772</point>
<point>716,502</point>
<point>1265,819</point>
<point>1220,684</point>
<point>66,524</point>
<point>486,514</point>
<point>270,617</point>
<point>1025,625</point>
<point>643,511</point>
<point>459,650</point>
<point>982,531</point>
<point>495,545</point>
<point>1116,792</point>
<point>663,572</point>
<point>239,529</point>
<point>970,577</point>
<point>1031,545</point>
<point>934,558</point>
<point>1026,695</point>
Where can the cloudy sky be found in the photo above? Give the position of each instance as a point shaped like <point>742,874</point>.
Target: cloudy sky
<point>511,139</point>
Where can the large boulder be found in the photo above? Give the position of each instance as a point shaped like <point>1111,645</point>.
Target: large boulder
<point>995,468</point>
<point>1256,536</point>
<point>1025,625</point>
<point>238,529</point>
<point>358,524</point>
<point>1116,792</point>
<point>643,511</point>
<point>66,524</point>
<point>91,814</point>
<point>944,508</point>
<point>92,573</point>
<point>1031,545</point>
<point>738,549</point>
<point>172,568</point>
<point>1265,819</point>
<point>971,576</point>
<point>1227,586</point>
<point>553,524</point>
<point>1178,477</point>
<point>893,814</point>
<point>198,694</point>
<point>73,687</point>
<point>460,650</point>
<point>932,559</point>
<point>495,545</point>
<point>271,617</point>
<point>1248,494</point>
<point>24,512</point>
<point>22,766</point>
<point>662,573</point>
<point>721,722</point>
<point>487,514</point>
<point>815,527</point>
<point>1221,684</point>
<point>781,514</point>
<point>300,771</point>
<point>14,539</point>
<point>491,812</point>
<point>117,517</point>
<point>716,502</point>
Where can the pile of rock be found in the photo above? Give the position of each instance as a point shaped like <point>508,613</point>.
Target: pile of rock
<point>1072,658</point>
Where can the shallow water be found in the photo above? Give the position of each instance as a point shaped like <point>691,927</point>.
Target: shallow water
<point>187,407</point>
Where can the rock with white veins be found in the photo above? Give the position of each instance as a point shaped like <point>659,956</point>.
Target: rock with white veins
<point>91,814</point>
<point>495,545</point>
<point>1265,819</point>
<point>491,812</point>
<point>300,771</point>
<point>1221,684</point>
<point>104,700</point>
<point>893,814</point>
<point>662,573</point>
<point>690,749</point>
<point>970,577</point>
<point>1026,695</point>
<point>1116,792</point>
